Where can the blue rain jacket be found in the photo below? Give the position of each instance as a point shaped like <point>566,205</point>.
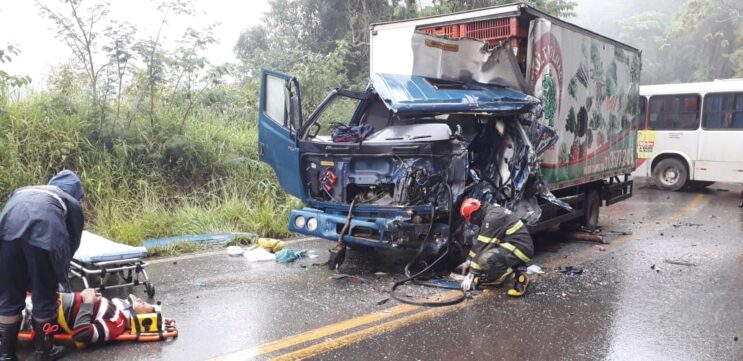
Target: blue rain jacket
<point>48,217</point>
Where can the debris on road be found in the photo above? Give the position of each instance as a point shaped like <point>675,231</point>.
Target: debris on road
<point>600,248</point>
<point>288,255</point>
<point>340,276</point>
<point>271,244</point>
<point>534,269</point>
<point>259,254</point>
<point>585,236</point>
<point>618,233</point>
<point>383,301</point>
<point>235,251</point>
<point>680,263</point>
<point>570,270</point>
<point>654,267</point>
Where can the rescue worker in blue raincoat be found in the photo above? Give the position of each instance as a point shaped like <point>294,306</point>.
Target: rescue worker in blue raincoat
<point>500,251</point>
<point>40,230</point>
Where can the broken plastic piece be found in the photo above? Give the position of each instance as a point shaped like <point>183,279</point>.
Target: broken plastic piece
<point>571,271</point>
<point>534,269</point>
<point>235,251</point>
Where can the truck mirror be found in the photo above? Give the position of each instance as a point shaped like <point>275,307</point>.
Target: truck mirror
<point>295,116</point>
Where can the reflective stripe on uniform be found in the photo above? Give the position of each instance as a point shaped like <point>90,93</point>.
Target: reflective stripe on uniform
<point>473,254</point>
<point>475,265</point>
<point>506,274</point>
<point>517,252</point>
<point>515,228</point>
<point>484,239</point>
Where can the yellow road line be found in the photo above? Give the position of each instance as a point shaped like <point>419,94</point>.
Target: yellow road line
<point>358,336</point>
<point>395,324</point>
<point>319,333</point>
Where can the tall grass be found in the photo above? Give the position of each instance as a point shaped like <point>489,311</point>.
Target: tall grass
<point>185,175</point>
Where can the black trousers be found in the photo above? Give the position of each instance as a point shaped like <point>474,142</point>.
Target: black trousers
<point>26,268</point>
<point>498,263</point>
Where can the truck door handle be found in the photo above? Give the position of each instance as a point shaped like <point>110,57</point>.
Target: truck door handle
<point>261,148</point>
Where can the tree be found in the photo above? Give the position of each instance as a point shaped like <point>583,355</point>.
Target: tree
<point>78,31</point>
<point>120,52</point>
<point>150,49</point>
<point>8,80</point>
<point>714,29</point>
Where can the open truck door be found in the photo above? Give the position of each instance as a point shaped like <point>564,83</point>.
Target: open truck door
<point>279,124</point>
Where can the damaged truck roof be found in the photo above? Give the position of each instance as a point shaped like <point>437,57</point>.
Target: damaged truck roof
<point>417,94</point>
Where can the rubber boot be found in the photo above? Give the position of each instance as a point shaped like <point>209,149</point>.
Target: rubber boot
<point>520,284</point>
<point>8,341</point>
<point>44,341</point>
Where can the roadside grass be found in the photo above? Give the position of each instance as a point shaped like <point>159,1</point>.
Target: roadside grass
<point>178,176</point>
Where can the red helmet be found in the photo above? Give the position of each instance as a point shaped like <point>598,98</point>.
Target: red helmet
<point>469,206</point>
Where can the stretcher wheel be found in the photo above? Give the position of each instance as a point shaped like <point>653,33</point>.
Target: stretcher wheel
<point>149,289</point>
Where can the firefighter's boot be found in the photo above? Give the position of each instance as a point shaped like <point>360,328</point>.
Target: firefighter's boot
<point>8,341</point>
<point>44,341</point>
<point>520,284</point>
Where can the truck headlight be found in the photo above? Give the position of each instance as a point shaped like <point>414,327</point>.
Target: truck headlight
<point>312,224</point>
<point>299,222</point>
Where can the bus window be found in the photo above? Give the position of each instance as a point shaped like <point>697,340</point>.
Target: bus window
<point>723,111</point>
<point>674,112</point>
<point>641,123</point>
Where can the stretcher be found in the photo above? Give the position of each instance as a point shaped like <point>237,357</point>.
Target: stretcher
<point>167,331</point>
<point>98,259</point>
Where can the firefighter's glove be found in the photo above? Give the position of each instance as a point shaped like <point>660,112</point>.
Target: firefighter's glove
<point>463,268</point>
<point>469,282</point>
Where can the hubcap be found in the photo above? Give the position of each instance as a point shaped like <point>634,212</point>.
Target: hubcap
<point>670,176</point>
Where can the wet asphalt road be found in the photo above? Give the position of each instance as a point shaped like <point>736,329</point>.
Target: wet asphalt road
<point>669,291</point>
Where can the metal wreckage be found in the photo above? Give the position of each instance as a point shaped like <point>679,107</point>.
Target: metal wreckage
<point>388,166</point>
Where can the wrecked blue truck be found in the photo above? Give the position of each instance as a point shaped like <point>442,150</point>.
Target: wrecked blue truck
<point>389,166</point>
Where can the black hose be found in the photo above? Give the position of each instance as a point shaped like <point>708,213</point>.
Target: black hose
<point>429,267</point>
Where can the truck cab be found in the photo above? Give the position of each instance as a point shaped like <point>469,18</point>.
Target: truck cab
<point>388,166</point>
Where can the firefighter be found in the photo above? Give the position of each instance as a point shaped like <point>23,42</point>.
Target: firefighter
<point>501,250</point>
<point>40,230</point>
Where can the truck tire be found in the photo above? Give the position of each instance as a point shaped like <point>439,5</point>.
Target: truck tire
<point>670,174</point>
<point>592,206</point>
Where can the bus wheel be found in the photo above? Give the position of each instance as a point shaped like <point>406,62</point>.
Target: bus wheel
<point>591,216</point>
<point>670,174</point>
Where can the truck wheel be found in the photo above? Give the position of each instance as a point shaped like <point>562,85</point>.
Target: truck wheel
<point>592,205</point>
<point>670,174</point>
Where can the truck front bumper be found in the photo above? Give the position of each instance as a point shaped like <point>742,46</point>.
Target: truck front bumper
<point>386,231</point>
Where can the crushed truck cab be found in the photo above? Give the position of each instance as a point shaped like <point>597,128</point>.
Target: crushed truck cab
<point>428,141</point>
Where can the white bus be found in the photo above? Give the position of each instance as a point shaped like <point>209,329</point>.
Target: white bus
<point>691,134</point>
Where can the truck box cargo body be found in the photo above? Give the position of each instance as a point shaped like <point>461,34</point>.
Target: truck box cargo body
<point>540,120</point>
<point>588,84</point>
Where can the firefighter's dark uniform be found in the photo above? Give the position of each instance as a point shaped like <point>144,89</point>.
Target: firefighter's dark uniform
<point>502,246</point>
